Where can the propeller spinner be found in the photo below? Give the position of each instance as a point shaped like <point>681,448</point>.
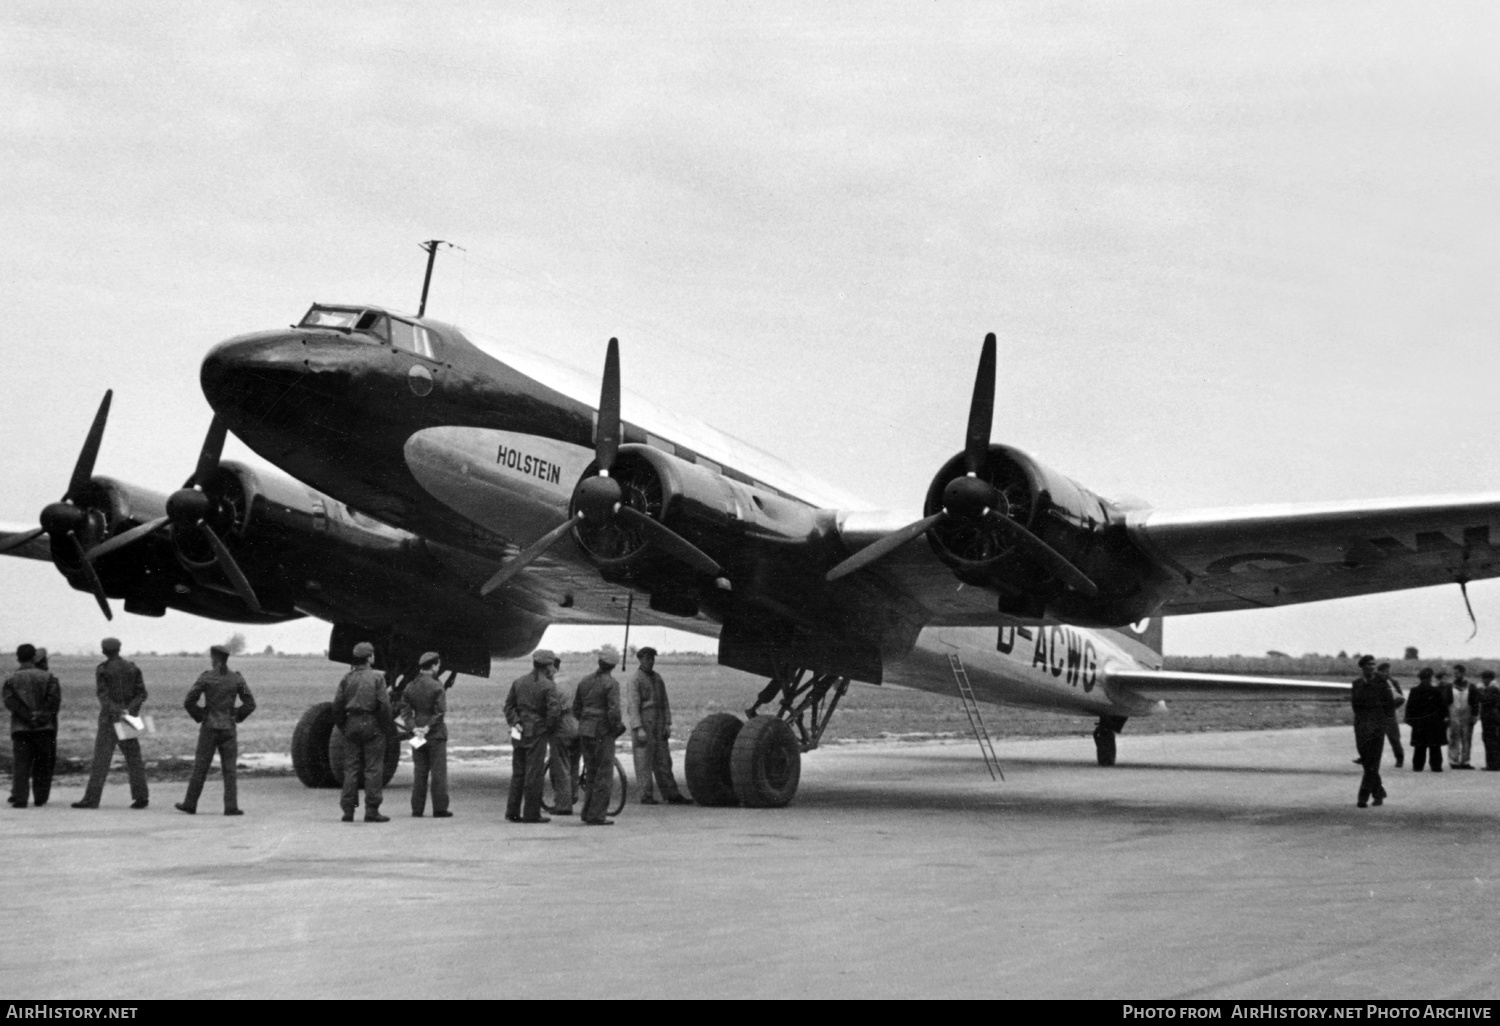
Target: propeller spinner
<point>972,500</point>
<point>188,509</point>
<point>600,498</point>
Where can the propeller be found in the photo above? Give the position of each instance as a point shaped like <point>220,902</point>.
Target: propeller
<point>972,500</point>
<point>188,509</point>
<point>65,518</point>
<point>599,497</point>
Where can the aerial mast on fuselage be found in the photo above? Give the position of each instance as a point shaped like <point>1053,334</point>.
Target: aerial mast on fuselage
<point>431,246</point>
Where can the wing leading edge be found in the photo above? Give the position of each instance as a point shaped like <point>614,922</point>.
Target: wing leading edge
<point>1268,556</point>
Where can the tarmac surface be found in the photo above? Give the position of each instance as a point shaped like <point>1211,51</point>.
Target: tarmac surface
<point>1203,866</point>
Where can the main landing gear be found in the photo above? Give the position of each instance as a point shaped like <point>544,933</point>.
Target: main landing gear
<point>1104,738</point>
<point>758,763</point>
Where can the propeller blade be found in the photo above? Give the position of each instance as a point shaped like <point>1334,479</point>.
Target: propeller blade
<point>123,539</point>
<point>22,539</point>
<point>83,470</point>
<point>208,456</point>
<point>88,573</point>
<point>528,555</point>
<point>1050,558</point>
<point>981,409</point>
<point>672,543</point>
<point>607,434</point>
<point>231,568</point>
<point>882,546</point>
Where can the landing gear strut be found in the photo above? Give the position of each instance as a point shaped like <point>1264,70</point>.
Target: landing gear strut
<point>1104,738</point>
<point>759,764</point>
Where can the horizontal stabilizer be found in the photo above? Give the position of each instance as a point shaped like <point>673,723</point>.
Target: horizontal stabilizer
<point>1155,683</point>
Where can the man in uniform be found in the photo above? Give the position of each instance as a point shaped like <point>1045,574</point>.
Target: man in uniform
<point>1463,710</point>
<point>532,711</point>
<point>562,765</point>
<point>33,697</point>
<point>649,716</point>
<point>121,690</point>
<point>596,703</point>
<point>1392,725</point>
<point>1489,720</point>
<point>1373,706</point>
<point>425,701</point>
<point>220,688</point>
<point>362,710</point>
<point>1428,719</point>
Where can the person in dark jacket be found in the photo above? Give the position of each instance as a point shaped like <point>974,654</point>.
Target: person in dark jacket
<point>362,710</point>
<point>220,689</point>
<point>648,714</point>
<point>33,697</point>
<point>1489,719</point>
<point>1427,716</point>
<point>563,762</point>
<point>1373,706</point>
<point>596,703</point>
<point>121,691</point>
<point>425,703</point>
<point>533,711</point>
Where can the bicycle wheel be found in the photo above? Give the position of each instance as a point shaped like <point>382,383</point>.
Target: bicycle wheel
<point>621,791</point>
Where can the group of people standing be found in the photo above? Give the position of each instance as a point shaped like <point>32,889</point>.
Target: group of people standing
<point>218,700</point>
<point>1439,713</point>
<point>556,727</point>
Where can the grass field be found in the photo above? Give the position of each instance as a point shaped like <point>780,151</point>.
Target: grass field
<point>284,686</point>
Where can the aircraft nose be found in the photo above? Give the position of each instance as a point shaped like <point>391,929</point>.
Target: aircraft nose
<point>246,374</point>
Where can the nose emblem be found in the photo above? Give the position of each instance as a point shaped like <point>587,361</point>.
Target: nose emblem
<point>419,380</point>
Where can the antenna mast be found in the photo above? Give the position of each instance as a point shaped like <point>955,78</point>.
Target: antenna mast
<point>431,248</point>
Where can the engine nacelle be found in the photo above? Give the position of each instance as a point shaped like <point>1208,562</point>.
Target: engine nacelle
<point>1088,531</point>
<point>695,502</point>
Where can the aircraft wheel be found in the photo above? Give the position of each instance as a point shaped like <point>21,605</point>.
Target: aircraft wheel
<point>336,756</point>
<point>706,764</point>
<point>310,746</point>
<point>1104,745</point>
<point>766,764</point>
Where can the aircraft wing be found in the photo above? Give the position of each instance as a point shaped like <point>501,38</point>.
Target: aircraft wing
<point>1268,556</point>
<point>1157,683</point>
<point>25,543</point>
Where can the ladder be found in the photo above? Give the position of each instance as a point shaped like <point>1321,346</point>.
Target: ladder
<point>976,723</point>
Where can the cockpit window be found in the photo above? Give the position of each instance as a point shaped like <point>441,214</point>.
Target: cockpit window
<point>370,322</point>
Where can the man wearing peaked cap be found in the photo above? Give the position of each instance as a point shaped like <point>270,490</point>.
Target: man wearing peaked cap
<point>33,697</point>
<point>648,714</point>
<point>1372,701</point>
<point>532,710</point>
<point>362,710</point>
<point>425,704</point>
<point>121,690</point>
<point>1428,718</point>
<point>596,704</point>
<point>220,688</point>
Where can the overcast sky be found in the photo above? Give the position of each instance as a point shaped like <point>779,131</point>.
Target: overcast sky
<point>1234,253</point>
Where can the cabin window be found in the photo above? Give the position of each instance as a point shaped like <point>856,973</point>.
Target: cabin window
<point>412,337</point>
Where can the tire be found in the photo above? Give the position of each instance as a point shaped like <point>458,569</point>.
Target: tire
<point>1104,745</point>
<point>766,764</point>
<point>336,756</point>
<point>620,792</point>
<point>706,764</point>
<point>310,746</point>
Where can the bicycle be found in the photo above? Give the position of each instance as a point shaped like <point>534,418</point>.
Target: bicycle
<point>619,793</point>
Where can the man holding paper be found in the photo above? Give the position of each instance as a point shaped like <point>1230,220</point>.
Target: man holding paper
<point>220,688</point>
<point>121,692</point>
<point>426,703</point>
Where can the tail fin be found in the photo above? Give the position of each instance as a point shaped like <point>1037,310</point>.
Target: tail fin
<point>1147,633</point>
